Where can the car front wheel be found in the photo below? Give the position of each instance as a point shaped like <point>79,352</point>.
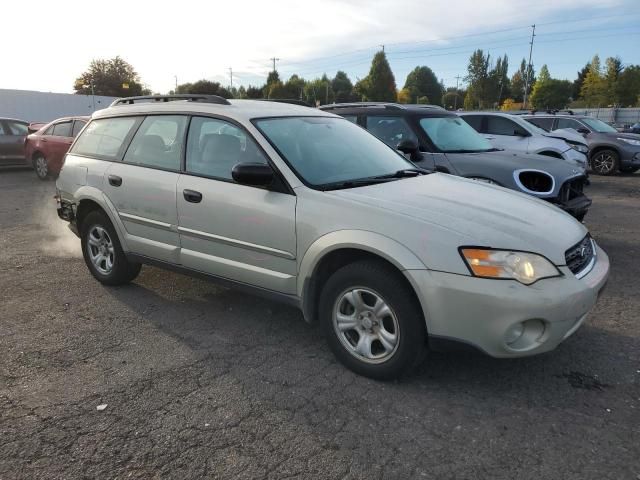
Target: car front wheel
<point>605,162</point>
<point>103,253</point>
<point>372,321</point>
<point>41,167</point>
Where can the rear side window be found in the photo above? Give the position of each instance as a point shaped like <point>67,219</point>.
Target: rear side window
<point>158,142</point>
<point>62,129</point>
<point>215,146</point>
<point>568,123</point>
<point>351,118</point>
<point>543,123</point>
<point>104,137</point>
<point>474,120</point>
<point>501,126</point>
<point>77,127</point>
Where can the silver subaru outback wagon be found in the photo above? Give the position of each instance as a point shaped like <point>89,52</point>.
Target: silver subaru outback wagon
<point>305,207</point>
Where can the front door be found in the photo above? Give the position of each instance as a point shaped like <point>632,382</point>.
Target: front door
<point>504,133</point>
<point>12,136</point>
<point>143,187</point>
<point>58,143</point>
<point>238,232</point>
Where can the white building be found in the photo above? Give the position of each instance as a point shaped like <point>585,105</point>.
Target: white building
<point>33,106</point>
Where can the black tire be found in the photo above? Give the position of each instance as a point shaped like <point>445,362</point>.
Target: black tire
<point>406,316</point>
<point>41,166</point>
<point>122,270</point>
<point>629,169</point>
<point>605,162</point>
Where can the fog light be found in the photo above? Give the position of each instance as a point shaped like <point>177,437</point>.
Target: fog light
<point>514,333</point>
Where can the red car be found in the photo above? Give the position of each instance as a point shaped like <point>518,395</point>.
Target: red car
<point>46,148</point>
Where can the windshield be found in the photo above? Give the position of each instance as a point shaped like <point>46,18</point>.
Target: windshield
<point>452,134</point>
<point>325,150</point>
<point>599,126</point>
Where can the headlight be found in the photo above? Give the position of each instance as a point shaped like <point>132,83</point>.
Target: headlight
<point>630,141</point>
<point>524,267</point>
<point>580,147</point>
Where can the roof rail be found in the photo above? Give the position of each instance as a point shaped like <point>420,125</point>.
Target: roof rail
<point>293,101</point>
<point>167,98</point>
<point>392,106</point>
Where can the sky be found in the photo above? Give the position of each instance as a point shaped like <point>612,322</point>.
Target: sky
<point>192,40</point>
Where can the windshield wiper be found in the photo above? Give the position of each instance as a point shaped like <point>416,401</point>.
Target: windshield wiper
<point>361,182</point>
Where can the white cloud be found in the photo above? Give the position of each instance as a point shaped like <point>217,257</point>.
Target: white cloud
<point>201,39</point>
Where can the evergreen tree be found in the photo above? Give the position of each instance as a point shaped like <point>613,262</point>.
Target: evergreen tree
<point>577,83</point>
<point>342,88</point>
<point>422,82</point>
<point>380,85</point>
<point>594,87</point>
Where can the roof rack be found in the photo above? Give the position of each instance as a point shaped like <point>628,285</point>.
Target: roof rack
<point>542,112</point>
<point>168,98</point>
<point>293,101</point>
<point>391,106</point>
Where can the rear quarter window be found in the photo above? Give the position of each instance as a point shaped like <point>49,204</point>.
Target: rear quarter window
<point>474,120</point>
<point>104,138</point>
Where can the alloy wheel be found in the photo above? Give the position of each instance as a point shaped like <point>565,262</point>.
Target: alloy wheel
<point>603,163</point>
<point>366,325</point>
<point>42,168</point>
<point>101,251</point>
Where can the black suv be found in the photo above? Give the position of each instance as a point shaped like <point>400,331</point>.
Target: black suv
<point>609,150</point>
<point>436,139</point>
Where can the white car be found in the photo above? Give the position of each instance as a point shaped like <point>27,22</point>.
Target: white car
<point>513,133</point>
<point>305,207</point>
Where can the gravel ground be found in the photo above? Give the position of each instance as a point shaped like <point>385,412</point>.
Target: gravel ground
<point>204,382</point>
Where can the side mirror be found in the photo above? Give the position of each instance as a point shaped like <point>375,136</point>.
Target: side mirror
<point>256,174</point>
<point>583,131</point>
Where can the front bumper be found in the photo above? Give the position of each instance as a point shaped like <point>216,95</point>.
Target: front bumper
<point>577,157</point>
<point>481,312</point>
<point>630,158</point>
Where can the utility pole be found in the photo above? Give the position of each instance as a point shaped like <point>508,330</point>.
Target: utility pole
<point>455,99</point>
<point>382,48</point>
<point>231,77</point>
<point>526,82</point>
<point>274,60</point>
<point>176,77</point>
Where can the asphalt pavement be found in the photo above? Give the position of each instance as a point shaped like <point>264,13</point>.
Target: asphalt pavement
<point>196,381</point>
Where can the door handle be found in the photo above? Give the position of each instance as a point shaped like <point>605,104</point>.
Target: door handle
<point>192,196</point>
<point>115,180</point>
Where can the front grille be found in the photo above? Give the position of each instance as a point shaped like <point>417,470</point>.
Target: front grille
<point>571,189</point>
<point>579,256</point>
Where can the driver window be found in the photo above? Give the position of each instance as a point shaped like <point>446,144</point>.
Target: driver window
<point>391,130</point>
<point>215,146</point>
<point>158,142</point>
<point>501,126</point>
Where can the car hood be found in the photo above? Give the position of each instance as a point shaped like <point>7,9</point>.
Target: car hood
<point>566,134</point>
<point>480,214</point>
<point>505,159</point>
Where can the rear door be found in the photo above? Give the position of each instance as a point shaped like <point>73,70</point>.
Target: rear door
<point>233,231</point>
<point>502,133</point>
<point>143,186</point>
<point>58,143</point>
<point>12,136</point>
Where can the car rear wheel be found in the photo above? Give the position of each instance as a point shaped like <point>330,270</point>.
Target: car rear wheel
<point>605,162</point>
<point>372,322</point>
<point>41,167</point>
<point>103,253</point>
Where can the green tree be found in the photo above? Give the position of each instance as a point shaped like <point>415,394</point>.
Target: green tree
<point>343,88</point>
<point>594,88</point>
<point>519,80</point>
<point>295,87</point>
<point>613,69</point>
<point>478,79</point>
<point>254,92</point>
<point>422,82</point>
<point>500,84</point>
<point>380,85</point>
<point>114,77</point>
<point>319,91</point>
<point>204,87</point>
<point>577,83</point>
<point>550,93</point>
<point>404,96</point>
<point>629,86</point>
<point>453,99</point>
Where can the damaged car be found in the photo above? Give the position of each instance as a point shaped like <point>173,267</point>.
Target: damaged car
<point>434,138</point>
